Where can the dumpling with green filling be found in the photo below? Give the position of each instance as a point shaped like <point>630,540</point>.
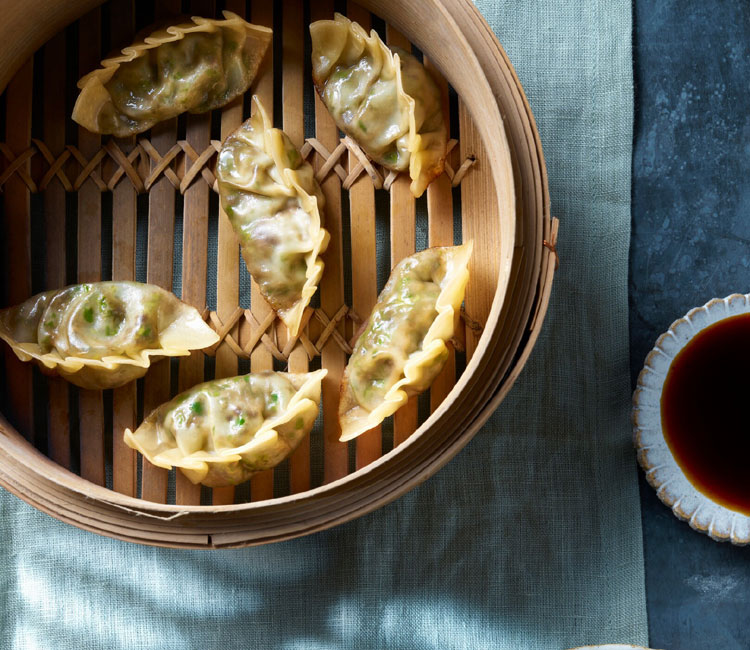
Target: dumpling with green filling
<point>271,197</point>
<point>382,98</point>
<point>190,67</point>
<point>103,334</point>
<point>221,432</point>
<point>402,347</point>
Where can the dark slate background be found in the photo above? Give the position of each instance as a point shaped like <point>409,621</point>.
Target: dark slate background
<point>690,243</point>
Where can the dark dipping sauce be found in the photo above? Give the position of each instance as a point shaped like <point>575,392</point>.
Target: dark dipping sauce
<point>704,412</point>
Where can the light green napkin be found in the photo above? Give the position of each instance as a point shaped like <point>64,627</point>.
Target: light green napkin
<point>530,538</point>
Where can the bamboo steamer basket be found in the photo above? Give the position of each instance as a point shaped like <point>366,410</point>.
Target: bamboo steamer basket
<point>79,207</point>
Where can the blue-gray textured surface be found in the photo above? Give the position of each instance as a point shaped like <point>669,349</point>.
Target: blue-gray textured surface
<point>530,538</point>
<point>690,243</point>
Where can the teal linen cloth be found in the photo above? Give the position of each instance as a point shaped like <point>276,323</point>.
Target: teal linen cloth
<point>530,538</point>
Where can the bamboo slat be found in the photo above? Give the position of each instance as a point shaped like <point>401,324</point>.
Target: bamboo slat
<point>332,283</point>
<point>90,404</point>
<point>292,65</point>
<point>194,258</point>
<point>403,244</point>
<point>440,225</point>
<point>369,445</point>
<point>261,485</point>
<point>18,241</point>
<point>478,198</point>
<point>58,425</point>
<point>124,210</point>
<point>227,265</point>
<point>161,207</point>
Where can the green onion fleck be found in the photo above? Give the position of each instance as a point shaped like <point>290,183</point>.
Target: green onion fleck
<point>293,157</point>
<point>109,331</point>
<point>197,407</point>
<point>240,421</point>
<point>88,315</point>
<point>144,331</point>
<point>391,157</point>
<point>362,126</point>
<point>273,398</point>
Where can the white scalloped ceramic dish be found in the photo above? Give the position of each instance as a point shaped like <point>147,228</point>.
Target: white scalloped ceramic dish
<point>654,455</point>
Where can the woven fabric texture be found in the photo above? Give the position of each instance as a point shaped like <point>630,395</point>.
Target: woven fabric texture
<point>530,538</point>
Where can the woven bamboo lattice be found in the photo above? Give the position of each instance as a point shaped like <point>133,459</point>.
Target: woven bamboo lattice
<point>264,333</point>
<point>182,165</point>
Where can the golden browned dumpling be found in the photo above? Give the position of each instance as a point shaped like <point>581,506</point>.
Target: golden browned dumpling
<point>274,204</point>
<point>103,334</point>
<point>384,99</point>
<point>221,432</point>
<point>191,67</point>
<point>403,345</point>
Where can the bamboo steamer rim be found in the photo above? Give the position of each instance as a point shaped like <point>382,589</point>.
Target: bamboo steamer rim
<point>72,499</point>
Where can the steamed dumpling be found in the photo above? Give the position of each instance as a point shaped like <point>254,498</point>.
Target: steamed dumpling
<point>221,432</point>
<point>103,334</point>
<point>271,197</point>
<point>384,99</point>
<point>193,67</point>
<point>403,344</point>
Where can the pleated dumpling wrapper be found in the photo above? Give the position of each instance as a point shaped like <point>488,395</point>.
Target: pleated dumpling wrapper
<point>402,347</point>
<point>271,197</point>
<point>195,67</point>
<point>103,334</point>
<point>383,99</point>
<point>221,432</point>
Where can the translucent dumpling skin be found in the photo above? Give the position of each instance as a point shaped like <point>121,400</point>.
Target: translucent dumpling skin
<point>402,347</point>
<point>271,197</point>
<point>383,99</point>
<point>221,432</point>
<point>192,67</point>
<point>103,334</point>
